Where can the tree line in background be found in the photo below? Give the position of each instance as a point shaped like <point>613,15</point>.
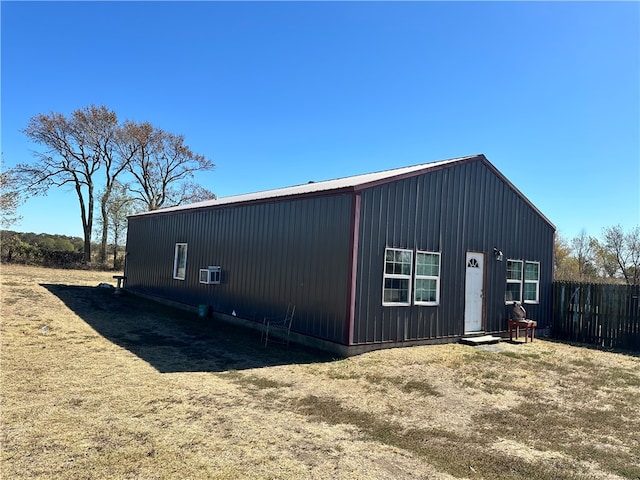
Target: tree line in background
<point>120,167</point>
<point>49,250</point>
<point>612,258</point>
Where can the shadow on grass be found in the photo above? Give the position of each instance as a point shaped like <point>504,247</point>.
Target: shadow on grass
<point>173,340</point>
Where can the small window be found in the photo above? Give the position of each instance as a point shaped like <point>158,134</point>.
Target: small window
<point>180,261</point>
<point>531,282</point>
<point>427,286</point>
<point>514,281</point>
<point>396,287</point>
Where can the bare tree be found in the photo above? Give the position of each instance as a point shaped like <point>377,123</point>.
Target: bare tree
<point>91,139</point>
<point>564,265</point>
<point>625,249</point>
<point>70,158</point>
<point>633,249</point>
<point>102,135</point>
<point>583,249</point>
<point>10,199</point>
<point>193,192</point>
<point>163,166</point>
<point>606,262</point>
<point>119,207</point>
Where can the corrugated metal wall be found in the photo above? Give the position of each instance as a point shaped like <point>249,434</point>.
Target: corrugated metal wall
<point>454,210</point>
<point>270,253</point>
<point>299,250</point>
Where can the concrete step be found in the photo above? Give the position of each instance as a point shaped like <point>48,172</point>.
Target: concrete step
<point>482,340</point>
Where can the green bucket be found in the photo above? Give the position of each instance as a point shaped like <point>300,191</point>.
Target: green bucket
<point>203,310</point>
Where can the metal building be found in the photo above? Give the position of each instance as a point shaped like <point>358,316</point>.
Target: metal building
<point>421,254</point>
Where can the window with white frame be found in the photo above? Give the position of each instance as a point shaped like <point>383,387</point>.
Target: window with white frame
<point>180,261</point>
<point>427,279</point>
<point>396,287</point>
<point>531,290</point>
<point>514,281</point>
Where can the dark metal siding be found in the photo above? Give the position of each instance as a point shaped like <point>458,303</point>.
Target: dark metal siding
<point>271,254</point>
<point>299,250</point>
<point>454,210</point>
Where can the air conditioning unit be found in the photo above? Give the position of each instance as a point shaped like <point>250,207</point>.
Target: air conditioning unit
<point>210,275</point>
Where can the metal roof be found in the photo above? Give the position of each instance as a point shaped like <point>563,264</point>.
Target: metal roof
<point>356,182</point>
<point>313,187</point>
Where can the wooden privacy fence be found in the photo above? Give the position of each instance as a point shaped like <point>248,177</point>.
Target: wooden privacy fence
<point>598,314</point>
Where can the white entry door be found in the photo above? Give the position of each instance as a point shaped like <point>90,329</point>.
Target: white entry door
<point>474,292</point>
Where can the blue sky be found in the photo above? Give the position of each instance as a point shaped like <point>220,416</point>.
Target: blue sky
<point>277,94</point>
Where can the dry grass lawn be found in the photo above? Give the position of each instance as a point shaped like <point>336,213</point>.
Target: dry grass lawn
<point>96,386</point>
